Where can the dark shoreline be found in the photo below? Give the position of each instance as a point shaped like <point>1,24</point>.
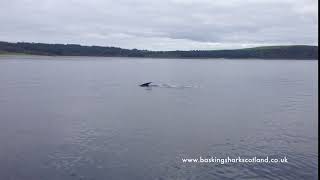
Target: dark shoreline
<point>294,52</point>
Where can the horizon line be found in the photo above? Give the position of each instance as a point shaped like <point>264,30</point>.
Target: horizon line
<point>252,47</point>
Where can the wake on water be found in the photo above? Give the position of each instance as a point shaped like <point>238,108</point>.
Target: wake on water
<point>173,86</point>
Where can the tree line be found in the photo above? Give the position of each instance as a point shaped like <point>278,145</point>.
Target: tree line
<point>266,52</point>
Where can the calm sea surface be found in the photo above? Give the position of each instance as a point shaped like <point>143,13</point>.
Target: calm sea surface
<point>72,118</point>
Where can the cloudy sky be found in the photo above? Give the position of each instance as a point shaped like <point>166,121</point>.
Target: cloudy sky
<point>161,24</point>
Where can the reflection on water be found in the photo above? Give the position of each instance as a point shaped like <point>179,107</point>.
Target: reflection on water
<point>87,118</point>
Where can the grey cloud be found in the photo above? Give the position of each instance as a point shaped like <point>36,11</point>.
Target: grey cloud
<point>161,24</point>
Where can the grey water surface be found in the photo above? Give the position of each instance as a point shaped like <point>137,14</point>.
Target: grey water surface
<point>71,118</point>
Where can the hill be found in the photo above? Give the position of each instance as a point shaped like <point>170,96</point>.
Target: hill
<point>266,52</point>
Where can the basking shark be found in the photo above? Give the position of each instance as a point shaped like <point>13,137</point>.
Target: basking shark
<point>162,85</point>
<point>145,84</point>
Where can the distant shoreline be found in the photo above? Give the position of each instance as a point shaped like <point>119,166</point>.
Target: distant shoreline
<point>294,52</point>
<point>155,58</point>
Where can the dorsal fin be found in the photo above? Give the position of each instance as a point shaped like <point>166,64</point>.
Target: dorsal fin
<point>145,84</point>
